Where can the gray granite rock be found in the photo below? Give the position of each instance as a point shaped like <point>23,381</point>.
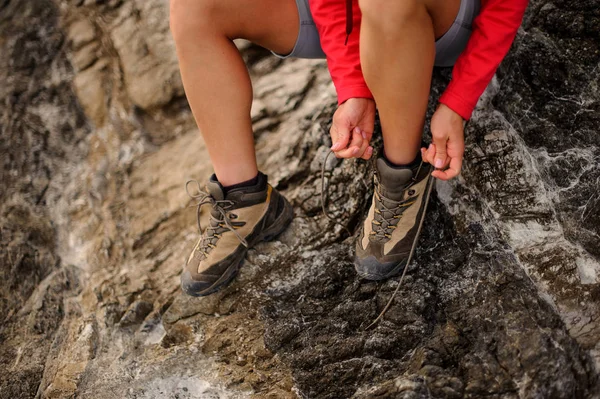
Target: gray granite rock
<point>97,141</point>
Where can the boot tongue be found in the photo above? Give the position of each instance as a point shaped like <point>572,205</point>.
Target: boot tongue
<point>393,181</point>
<point>215,189</point>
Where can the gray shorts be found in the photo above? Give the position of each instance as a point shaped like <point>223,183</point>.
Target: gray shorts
<point>447,47</point>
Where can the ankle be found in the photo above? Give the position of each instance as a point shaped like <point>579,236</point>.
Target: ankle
<point>256,182</point>
<point>247,183</point>
<point>235,174</point>
<point>412,162</point>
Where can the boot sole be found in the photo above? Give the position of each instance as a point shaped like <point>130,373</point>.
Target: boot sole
<point>397,269</point>
<point>271,232</point>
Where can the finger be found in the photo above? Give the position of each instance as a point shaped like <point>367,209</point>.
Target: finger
<point>363,149</point>
<point>440,140</point>
<point>367,135</point>
<point>340,137</point>
<point>364,144</point>
<point>447,163</point>
<point>354,147</point>
<point>430,154</point>
<point>451,172</point>
<point>367,138</point>
<point>424,155</point>
<point>456,146</point>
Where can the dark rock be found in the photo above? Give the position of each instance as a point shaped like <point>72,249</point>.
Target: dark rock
<point>502,299</point>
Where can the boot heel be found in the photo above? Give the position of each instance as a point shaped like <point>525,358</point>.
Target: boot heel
<point>280,224</point>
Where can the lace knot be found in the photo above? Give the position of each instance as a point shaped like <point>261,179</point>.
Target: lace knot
<point>220,224</point>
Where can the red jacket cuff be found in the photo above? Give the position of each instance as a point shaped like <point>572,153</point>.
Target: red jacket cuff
<point>345,93</point>
<point>456,103</point>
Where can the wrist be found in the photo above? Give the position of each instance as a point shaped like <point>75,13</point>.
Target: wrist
<point>357,100</point>
<point>450,113</point>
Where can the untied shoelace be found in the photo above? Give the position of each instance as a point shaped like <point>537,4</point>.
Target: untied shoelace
<point>412,249</point>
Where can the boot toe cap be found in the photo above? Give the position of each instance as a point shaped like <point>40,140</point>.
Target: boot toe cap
<point>194,287</point>
<point>371,269</point>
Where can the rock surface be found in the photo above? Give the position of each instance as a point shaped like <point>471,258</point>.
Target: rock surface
<point>97,140</point>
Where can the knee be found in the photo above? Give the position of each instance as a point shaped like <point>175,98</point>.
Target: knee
<point>188,18</point>
<point>389,15</point>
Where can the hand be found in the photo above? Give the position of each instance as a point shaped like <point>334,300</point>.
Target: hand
<point>352,128</point>
<point>448,147</point>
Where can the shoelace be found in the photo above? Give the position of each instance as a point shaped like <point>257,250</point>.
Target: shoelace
<point>412,249</point>
<point>410,255</point>
<point>396,211</point>
<point>220,206</point>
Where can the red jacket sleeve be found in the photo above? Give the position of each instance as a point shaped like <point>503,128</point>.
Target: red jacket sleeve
<point>493,33</point>
<point>343,59</point>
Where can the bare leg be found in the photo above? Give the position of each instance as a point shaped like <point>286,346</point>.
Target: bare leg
<point>215,78</point>
<point>397,49</point>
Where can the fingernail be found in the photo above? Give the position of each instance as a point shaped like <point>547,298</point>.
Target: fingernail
<point>438,163</point>
<point>335,147</point>
<point>370,150</point>
<point>364,135</point>
<point>429,148</point>
<point>356,151</point>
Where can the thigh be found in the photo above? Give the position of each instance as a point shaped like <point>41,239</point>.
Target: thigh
<point>443,14</point>
<point>273,24</point>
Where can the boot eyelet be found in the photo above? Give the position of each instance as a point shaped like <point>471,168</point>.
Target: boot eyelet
<point>232,216</point>
<point>411,192</point>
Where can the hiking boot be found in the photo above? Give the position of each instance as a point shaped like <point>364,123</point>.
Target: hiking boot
<point>238,221</point>
<point>391,227</point>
